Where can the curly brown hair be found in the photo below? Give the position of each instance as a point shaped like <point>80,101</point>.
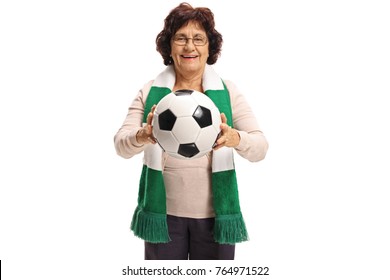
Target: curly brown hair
<point>179,17</point>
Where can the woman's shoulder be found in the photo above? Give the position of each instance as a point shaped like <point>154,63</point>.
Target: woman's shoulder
<point>231,87</point>
<point>228,82</point>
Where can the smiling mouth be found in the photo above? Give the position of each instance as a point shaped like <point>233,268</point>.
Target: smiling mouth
<point>189,56</point>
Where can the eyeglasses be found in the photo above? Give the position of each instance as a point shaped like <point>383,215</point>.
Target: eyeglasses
<point>198,40</point>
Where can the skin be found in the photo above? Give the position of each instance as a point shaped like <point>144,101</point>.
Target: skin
<point>190,62</point>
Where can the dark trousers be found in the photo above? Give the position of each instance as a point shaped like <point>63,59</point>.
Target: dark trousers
<point>190,239</point>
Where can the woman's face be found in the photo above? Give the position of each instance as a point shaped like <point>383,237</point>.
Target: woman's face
<point>189,58</point>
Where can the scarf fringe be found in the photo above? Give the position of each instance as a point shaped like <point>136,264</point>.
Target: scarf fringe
<point>230,229</point>
<point>151,227</point>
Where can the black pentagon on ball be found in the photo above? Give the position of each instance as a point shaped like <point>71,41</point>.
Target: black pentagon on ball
<point>166,120</point>
<point>202,116</point>
<point>188,150</point>
<point>183,92</point>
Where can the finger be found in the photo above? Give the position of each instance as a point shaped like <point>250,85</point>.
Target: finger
<point>223,118</point>
<point>148,129</point>
<point>149,134</point>
<point>149,118</point>
<point>221,141</point>
<point>217,146</point>
<point>152,140</point>
<point>224,128</point>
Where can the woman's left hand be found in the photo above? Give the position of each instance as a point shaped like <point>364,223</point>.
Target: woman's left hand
<point>228,137</point>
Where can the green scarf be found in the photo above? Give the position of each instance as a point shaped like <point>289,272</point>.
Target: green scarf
<point>150,219</point>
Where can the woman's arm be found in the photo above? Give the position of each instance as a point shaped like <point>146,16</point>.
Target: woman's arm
<point>252,145</point>
<point>125,139</point>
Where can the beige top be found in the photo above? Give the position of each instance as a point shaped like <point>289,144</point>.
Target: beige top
<point>188,182</point>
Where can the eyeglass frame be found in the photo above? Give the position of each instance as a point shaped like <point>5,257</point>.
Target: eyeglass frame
<point>187,39</point>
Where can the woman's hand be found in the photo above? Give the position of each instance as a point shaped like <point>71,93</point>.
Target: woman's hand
<point>145,134</point>
<point>228,137</point>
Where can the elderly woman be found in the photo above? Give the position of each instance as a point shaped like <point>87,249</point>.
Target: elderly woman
<point>189,209</point>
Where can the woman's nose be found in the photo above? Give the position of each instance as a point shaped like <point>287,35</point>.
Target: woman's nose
<point>190,44</point>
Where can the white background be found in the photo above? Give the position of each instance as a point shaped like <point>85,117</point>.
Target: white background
<point>316,74</point>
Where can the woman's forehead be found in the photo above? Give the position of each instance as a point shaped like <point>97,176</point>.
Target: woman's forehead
<point>191,25</point>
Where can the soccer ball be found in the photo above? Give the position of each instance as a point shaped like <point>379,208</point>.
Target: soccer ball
<point>186,124</point>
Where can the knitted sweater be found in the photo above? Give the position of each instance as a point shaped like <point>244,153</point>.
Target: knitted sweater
<point>188,182</point>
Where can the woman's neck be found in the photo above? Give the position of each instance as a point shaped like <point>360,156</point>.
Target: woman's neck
<point>188,82</point>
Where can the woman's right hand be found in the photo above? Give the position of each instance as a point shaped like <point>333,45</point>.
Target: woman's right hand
<point>145,134</point>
